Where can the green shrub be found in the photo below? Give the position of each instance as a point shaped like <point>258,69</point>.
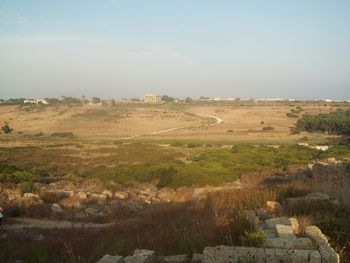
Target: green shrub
<point>6,128</point>
<point>292,115</point>
<point>63,134</point>
<point>28,187</point>
<point>253,238</point>
<point>268,128</point>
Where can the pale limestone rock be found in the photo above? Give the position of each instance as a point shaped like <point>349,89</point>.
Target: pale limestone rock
<point>315,257</point>
<point>175,259</point>
<point>67,193</point>
<point>285,231</point>
<point>31,195</point>
<point>121,195</point>
<point>316,234</point>
<point>269,233</point>
<point>111,259</point>
<point>81,196</point>
<point>328,254</point>
<point>271,223</point>
<point>140,256</point>
<point>108,193</point>
<point>295,224</point>
<point>56,208</point>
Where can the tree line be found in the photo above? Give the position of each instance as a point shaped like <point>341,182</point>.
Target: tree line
<point>337,122</point>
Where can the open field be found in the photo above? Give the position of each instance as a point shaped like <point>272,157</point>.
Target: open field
<point>92,179</point>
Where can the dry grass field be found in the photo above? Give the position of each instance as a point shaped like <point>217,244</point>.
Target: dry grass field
<point>240,122</point>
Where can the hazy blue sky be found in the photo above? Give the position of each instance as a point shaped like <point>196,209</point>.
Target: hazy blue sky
<point>125,48</point>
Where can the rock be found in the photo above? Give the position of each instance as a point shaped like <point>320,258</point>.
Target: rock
<point>315,257</point>
<point>285,231</point>
<point>140,256</point>
<point>121,195</point>
<point>251,217</point>
<point>81,196</point>
<point>295,224</point>
<point>316,234</point>
<point>225,254</point>
<point>56,208</point>
<point>285,255</point>
<point>288,243</point>
<point>31,195</point>
<point>317,196</point>
<point>197,258</point>
<point>98,197</point>
<point>166,194</point>
<point>269,233</point>
<point>262,214</point>
<point>3,236</point>
<point>328,254</point>
<point>175,259</point>
<point>108,193</point>
<point>111,259</point>
<point>271,223</point>
<point>273,206</point>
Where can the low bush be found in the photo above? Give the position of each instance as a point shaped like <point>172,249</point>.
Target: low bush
<point>252,238</point>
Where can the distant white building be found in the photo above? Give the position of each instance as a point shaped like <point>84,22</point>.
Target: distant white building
<point>36,101</point>
<point>152,98</point>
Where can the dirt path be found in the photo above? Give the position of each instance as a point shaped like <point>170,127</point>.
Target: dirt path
<point>25,223</point>
<point>217,121</point>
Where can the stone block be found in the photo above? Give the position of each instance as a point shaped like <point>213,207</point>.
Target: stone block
<point>315,257</point>
<point>271,223</point>
<point>225,254</point>
<point>316,235</point>
<point>273,206</point>
<point>328,254</point>
<point>288,243</point>
<point>284,231</point>
<point>295,224</point>
<point>111,259</point>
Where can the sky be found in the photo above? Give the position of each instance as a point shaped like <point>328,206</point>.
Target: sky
<point>183,48</point>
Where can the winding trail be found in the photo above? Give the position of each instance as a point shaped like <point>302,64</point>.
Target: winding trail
<point>217,121</point>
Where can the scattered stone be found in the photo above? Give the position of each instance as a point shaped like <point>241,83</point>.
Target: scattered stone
<point>39,237</point>
<point>317,197</point>
<point>31,195</point>
<point>269,233</point>
<point>108,193</point>
<point>81,215</point>
<point>140,256</point>
<point>111,259</point>
<point>121,195</point>
<point>81,196</point>
<point>56,208</point>
<point>285,231</point>
<point>225,254</point>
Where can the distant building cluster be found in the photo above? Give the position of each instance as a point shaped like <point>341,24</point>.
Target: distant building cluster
<point>35,101</point>
<point>152,98</point>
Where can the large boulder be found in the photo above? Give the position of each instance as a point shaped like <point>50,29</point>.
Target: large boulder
<point>141,256</point>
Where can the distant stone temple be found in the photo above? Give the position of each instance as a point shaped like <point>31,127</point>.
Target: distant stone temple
<point>152,98</point>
